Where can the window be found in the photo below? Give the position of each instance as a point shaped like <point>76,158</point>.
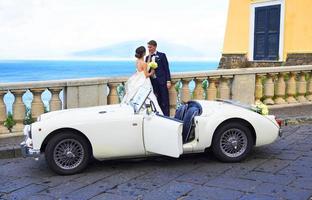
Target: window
<point>267,32</point>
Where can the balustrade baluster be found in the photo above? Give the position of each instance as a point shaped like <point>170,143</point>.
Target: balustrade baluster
<point>291,88</point>
<point>212,89</point>
<point>302,88</point>
<point>269,89</point>
<point>37,106</point>
<point>199,90</point>
<point>173,96</point>
<point>2,112</point>
<point>113,97</point>
<point>259,87</point>
<point>55,103</point>
<point>18,109</point>
<point>309,87</point>
<point>185,93</point>
<point>224,88</point>
<point>280,89</point>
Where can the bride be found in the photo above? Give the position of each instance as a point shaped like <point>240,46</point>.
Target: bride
<point>140,78</point>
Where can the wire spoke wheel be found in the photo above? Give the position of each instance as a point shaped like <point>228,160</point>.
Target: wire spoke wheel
<point>68,154</point>
<point>233,142</point>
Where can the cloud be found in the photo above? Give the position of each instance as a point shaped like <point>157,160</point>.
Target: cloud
<point>54,29</point>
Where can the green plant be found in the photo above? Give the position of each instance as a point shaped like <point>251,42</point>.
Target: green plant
<point>45,109</point>
<point>28,119</point>
<point>9,122</point>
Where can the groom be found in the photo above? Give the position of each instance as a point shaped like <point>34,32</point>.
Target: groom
<point>161,81</point>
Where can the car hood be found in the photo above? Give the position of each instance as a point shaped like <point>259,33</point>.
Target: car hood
<point>87,112</point>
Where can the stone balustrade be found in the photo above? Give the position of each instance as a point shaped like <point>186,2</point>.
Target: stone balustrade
<point>272,86</point>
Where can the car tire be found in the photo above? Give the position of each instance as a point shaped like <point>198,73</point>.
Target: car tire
<point>67,153</point>
<point>232,142</point>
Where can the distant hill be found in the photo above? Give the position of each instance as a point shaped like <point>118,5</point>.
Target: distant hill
<point>125,50</point>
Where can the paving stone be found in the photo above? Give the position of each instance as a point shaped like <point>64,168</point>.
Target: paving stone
<point>281,170</point>
<point>213,193</point>
<point>303,183</point>
<point>272,165</point>
<point>281,191</point>
<point>101,186</point>
<point>109,196</point>
<point>233,183</point>
<point>196,177</point>
<point>63,189</point>
<point>41,197</point>
<point>269,177</point>
<point>172,190</point>
<point>15,185</point>
<point>288,155</point>
<point>258,197</point>
<point>26,191</point>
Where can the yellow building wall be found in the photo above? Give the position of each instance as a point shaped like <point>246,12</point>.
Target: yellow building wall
<point>237,28</point>
<point>297,27</point>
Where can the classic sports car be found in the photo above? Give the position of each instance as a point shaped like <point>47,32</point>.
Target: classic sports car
<point>70,138</point>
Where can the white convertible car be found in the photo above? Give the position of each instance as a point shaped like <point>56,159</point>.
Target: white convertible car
<point>70,138</point>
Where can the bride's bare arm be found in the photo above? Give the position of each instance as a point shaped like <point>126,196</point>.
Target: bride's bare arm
<point>146,73</point>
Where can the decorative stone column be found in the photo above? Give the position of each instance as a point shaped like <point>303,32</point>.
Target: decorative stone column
<point>113,94</point>
<point>280,89</point>
<point>37,106</point>
<point>212,89</point>
<point>309,88</point>
<point>18,110</point>
<point>302,88</point>
<point>55,103</point>
<point>199,90</point>
<point>291,88</point>
<point>269,89</point>
<point>259,87</point>
<point>185,93</point>
<point>173,96</point>
<point>224,87</point>
<point>3,115</point>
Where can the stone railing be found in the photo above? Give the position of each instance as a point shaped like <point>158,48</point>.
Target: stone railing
<point>274,85</point>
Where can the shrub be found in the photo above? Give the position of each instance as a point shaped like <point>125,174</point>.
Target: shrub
<point>9,122</point>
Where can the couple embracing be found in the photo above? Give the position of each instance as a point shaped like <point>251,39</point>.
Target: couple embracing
<point>153,70</point>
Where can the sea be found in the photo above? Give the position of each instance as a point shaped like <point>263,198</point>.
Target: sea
<point>43,70</point>
<point>38,70</point>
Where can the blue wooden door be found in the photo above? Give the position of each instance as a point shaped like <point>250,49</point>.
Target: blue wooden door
<point>267,32</point>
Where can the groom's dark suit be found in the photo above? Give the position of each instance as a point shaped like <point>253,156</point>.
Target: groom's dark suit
<point>159,82</point>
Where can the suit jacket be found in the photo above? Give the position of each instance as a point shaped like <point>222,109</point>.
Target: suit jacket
<point>162,72</point>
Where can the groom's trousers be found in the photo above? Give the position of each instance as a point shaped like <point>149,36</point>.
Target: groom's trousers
<point>162,94</point>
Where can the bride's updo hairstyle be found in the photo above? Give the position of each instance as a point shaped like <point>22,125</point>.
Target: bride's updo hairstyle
<point>140,52</point>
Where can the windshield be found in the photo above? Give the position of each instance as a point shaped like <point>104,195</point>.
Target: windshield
<point>139,98</point>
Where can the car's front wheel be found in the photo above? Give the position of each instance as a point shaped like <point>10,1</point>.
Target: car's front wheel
<point>67,153</point>
<point>232,142</point>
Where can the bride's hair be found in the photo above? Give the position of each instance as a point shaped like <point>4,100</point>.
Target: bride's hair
<point>140,52</point>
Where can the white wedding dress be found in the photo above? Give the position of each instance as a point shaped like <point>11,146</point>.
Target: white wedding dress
<point>134,83</point>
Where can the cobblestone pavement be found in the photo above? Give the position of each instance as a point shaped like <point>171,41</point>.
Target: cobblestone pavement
<point>282,170</point>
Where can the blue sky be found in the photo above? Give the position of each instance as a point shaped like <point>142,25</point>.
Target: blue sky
<point>56,29</point>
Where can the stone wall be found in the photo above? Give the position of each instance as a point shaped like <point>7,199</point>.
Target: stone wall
<point>233,61</point>
<point>299,59</point>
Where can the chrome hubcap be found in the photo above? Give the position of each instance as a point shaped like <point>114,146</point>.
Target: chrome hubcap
<point>233,142</point>
<point>68,154</point>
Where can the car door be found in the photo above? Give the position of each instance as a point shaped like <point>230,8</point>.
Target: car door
<point>162,135</point>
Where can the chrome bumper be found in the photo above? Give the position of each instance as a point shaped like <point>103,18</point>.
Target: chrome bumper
<point>28,151</point>
<point>27,144</point>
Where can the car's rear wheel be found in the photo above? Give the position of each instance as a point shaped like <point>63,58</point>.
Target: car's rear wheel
<point>68,153</point>
<point>232,142</point>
